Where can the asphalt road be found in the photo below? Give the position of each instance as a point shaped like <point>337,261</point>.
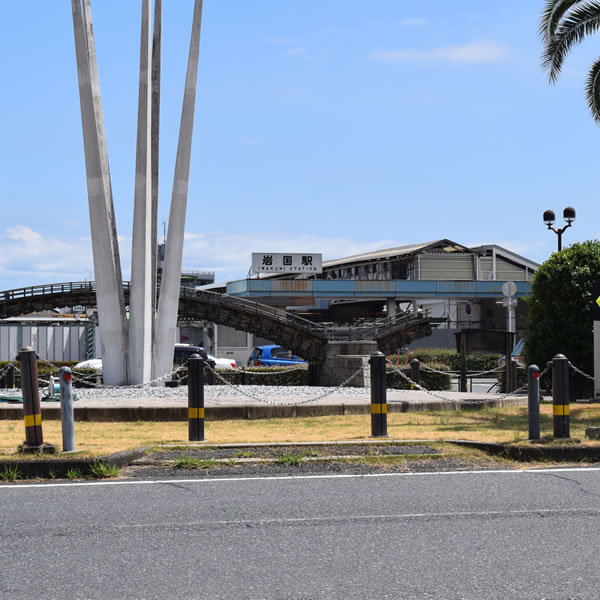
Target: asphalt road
<point>471,535</point>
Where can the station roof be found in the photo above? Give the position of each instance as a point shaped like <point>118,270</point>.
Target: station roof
<point>444,245</point>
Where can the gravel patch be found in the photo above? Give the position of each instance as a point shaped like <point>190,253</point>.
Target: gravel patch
<point>275,452</point>
<point>252,461</point>
<point>324,467</point>
<point>210,392</point>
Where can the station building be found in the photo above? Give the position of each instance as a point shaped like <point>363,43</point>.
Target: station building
<point>461,288</point>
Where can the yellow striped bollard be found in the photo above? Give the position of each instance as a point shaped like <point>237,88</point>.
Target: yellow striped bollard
<point>378,395</point>
<point>196,398</point>
<point>32,413</point>
<point>560,396</point>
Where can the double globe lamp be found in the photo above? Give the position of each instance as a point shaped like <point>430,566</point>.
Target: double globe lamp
<point>569,217</point>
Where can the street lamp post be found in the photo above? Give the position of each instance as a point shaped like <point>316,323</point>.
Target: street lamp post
<point>569,217</point>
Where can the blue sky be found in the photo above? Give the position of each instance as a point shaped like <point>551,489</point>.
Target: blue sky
<point>332,126</point>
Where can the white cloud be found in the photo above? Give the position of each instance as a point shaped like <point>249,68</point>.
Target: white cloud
<point>470,53</point>
<point>297,51</point>
<point>28,257</point>
<point>24,234</point>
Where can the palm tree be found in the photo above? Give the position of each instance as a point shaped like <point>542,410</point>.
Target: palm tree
<point>565,23</point>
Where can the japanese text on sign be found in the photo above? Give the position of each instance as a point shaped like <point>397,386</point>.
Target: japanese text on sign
<point>278,262</point>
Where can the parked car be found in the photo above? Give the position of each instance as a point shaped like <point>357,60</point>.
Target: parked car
<point>181,353</point>
<point>92,363</point>
<point>273,356</point>
<point>184,351</point>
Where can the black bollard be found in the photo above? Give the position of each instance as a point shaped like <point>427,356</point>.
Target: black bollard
<point>462,381</point>
<point>415,372</point>
<point>196,398</point>
<point>32,413</point>
<point>244,376</point>
<point>513,375</point>
<point>533,401</point>
<point>560,396</point>
<point>378,395</point>
<point>10,376</point>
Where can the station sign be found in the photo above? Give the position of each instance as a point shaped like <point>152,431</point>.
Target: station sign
<point>279,262</point>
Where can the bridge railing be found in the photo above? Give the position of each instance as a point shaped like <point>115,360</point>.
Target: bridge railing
<point>257,309</point>
<point>376,327</point>
<point>326,331</point>
<point>48,289</point>
<point>369,330</point>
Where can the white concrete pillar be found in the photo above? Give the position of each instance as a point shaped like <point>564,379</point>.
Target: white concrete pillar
<point>155,137</point>
<point>164,337</point>
<point>141,300</point>
<point>105,247</point>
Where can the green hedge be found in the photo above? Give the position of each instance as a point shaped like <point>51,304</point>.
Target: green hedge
<point>429,380</point>
<point>449,358</point>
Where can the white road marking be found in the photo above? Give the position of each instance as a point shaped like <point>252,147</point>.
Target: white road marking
<point>12,486</point>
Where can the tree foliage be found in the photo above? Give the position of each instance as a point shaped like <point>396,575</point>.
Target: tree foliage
<point>560,307</point>
<point>565,23</point>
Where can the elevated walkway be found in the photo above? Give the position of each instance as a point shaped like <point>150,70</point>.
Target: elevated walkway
<point>400,289</point>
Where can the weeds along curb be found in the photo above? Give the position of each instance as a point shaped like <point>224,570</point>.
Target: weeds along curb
<point>533,452</point>
<point>61,468</point>
<point>64,467</point>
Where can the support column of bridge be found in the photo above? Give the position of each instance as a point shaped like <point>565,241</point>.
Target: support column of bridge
<point>342,359</point>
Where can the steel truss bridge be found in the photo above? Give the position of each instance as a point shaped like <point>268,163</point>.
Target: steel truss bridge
<point>303,337</point>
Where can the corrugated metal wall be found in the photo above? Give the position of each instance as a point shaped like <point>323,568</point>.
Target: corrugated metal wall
<point>447,266</point>
<point>61,343</point>
<point>505,271</point>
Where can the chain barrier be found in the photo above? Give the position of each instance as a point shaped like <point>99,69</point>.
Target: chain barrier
<point>239,371</point>
<point>92,384</point>
<point>460,401</point>
<point>54,368</point>
<point>580,372</point>
<point>7,367</point>
<point>469,373</point>
<point>245,392</point>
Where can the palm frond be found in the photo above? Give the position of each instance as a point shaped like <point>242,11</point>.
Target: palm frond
<point>592,90</point>
<point>553,12</point>
<point>581,21</point>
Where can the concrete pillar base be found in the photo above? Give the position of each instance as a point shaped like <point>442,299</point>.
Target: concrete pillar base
<point>342,359</point>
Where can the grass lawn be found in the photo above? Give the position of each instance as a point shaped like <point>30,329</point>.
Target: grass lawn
<point>490,424</point>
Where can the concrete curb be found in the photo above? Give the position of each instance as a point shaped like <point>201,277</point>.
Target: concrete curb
<point>164,413</point>
<point>45,468</point>
<point>548,451</point>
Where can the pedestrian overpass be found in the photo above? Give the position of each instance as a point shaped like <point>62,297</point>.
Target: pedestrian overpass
<point>305,338</point>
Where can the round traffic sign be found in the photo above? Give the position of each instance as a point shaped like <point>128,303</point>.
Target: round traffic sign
<point>509,288</point>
